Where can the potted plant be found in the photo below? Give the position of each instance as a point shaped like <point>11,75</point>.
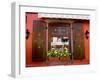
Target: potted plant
<point>53,55</point>
<point>65,54</point>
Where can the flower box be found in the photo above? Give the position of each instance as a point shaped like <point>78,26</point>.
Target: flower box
<point>67,58</point>
<point>53,59</point>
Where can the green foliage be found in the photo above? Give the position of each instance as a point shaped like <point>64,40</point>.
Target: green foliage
<point>49,53</point>
<point>57,53</point>
<point>53,53</point>
<point>65,52</point>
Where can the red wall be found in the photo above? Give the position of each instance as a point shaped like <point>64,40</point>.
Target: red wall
<point>29,26</point>
<point>86,41</point>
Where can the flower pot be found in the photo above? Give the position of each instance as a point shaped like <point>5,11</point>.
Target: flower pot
<point>53,59</point>
<point>67,58</point>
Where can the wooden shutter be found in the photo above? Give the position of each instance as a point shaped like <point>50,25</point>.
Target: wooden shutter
<point>39,40</point>
<point>78,41</point>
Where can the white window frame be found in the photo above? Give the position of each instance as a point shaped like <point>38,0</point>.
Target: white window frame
<point>18,68</point>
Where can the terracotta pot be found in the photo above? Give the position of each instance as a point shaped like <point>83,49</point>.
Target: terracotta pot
<point>64,58</point>
<point>53,59</point>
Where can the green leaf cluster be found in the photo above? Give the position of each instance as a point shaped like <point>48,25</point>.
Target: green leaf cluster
<point>65,52</point>
<point>58,53</point>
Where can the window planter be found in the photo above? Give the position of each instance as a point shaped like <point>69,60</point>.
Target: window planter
<point>67,58</point>
<point>53,59</point>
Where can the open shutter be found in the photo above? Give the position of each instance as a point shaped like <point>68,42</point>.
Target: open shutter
<point>39,40</point>
<point>78,41</point>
